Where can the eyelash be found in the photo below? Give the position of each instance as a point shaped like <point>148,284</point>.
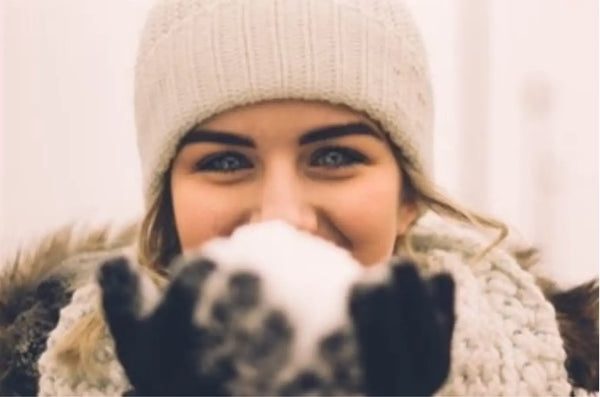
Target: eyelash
<point>352,157</point>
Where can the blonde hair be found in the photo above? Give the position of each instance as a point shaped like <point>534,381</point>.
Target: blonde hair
<point>419,190</point>
<point>158,245</point>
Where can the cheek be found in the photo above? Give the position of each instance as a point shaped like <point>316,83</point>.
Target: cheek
<point>201,212</point>
<point>366,212</point>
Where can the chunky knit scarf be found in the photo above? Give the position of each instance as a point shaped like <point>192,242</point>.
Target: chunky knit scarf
<point>506,339</point>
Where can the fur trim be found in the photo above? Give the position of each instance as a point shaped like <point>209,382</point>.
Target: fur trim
<point>32,264</point>
<point>34,285</point>
<point>577,314</point>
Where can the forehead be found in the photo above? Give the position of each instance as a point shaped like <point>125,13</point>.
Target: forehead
<point>288,117</point>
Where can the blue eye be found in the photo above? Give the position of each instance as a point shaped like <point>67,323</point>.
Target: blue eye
<point>336,157</point>
<point>223,162</point>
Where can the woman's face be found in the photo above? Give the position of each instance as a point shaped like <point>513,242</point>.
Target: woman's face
<point>324,169</point>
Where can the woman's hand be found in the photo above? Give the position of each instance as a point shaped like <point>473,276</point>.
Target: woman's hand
<point>404,329</point>
<point>160,352</point>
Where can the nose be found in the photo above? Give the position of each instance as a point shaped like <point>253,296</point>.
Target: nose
<point>282,196</point>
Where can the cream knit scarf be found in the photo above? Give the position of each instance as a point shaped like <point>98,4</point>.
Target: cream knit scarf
<point>506,340</point>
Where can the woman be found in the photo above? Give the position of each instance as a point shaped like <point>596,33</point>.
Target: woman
<point>317,113</point>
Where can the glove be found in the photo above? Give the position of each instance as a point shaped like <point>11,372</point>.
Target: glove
<point>402,329</point>
<point>161,351</point>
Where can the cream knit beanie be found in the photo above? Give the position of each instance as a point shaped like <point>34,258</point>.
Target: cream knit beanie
<point>198,58</point>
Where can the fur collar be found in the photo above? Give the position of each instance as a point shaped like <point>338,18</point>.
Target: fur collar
<point>35,283</point>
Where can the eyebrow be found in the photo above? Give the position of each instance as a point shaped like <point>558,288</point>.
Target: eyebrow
<point>337,131</point>
<point>199,135</point>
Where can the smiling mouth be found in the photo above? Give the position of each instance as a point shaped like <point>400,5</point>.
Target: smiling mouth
<point>339,240</point>
<point>345,244</point>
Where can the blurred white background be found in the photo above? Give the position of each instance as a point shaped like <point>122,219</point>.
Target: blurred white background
<point>516,86</point>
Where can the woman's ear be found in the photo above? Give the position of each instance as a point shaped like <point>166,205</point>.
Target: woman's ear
<point>407,215</point>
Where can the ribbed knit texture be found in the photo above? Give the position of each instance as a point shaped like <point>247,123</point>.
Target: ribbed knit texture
<point>200,57</point>
<point>506,340</point>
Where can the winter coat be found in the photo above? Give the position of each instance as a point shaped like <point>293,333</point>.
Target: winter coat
<point>516,334</point>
